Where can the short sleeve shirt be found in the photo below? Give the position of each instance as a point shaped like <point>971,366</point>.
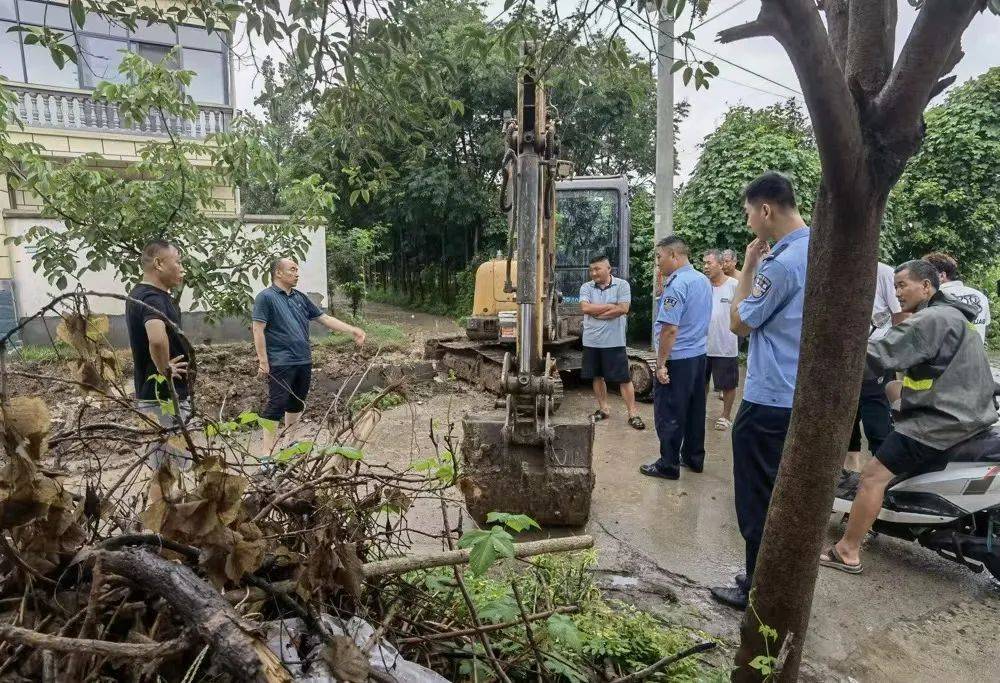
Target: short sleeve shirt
<point>722,341</point>
<point>974,298</point>
<point>886,303</point>
<point>286,325</point>
<point>157,304</point>
<point>605,334</point>
<point>687,303</point>
<point>774,313</point>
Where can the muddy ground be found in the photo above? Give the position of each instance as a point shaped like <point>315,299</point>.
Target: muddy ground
<point>910,617</point>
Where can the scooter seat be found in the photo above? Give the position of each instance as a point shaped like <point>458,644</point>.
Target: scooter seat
<point>983,447</point>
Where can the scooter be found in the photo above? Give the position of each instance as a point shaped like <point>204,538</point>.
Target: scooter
<point>954,511</point>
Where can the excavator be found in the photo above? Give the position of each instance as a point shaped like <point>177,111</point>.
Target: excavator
<point>524,331</point>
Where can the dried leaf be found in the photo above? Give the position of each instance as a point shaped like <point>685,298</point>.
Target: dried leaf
<point>346,660</point>
<point>349,574</point>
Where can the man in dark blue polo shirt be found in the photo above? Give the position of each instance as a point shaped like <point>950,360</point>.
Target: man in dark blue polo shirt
<point>281,316</point>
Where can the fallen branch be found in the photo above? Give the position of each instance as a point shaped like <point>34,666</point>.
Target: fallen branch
<point>103,648</point>
<point>464,632</point>
<point>204,610</point>
<point>665,662</point>
<point>401,565</point>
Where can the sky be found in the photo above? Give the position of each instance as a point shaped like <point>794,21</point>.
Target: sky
<point>754,72</point>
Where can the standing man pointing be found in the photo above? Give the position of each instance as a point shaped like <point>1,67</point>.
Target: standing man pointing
<point>768,308</point>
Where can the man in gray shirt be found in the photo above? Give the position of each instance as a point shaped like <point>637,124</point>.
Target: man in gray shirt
<point>605,303</point>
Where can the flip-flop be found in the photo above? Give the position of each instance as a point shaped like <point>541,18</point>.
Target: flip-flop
<point>635,422</point>
<point>835,561</point>
<point>600,415</point>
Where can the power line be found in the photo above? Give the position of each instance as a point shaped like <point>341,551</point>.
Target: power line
<point>719,14</point>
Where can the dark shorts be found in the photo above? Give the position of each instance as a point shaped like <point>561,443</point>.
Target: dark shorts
<point>611,364</point>
<point>873,413</point>
<point>287,389</point>
<point>902,455</point>
<point>724,372</point>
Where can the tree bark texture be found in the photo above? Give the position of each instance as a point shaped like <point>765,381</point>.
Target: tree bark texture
<point>868,119</point>
<point>203,609</point>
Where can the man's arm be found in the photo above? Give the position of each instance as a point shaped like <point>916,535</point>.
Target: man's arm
<point>597,310</point>
<point>736,324</point>
<point>899,317</point>
<point>904,346</point>
<point>335,325</point>
<point>260,346</point>
<point>668,335</point>
<point>159,350</point>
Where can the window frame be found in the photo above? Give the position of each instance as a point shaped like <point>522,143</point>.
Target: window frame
<point>129,42</point>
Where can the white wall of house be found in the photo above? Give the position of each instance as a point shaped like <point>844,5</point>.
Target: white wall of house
<point>32,291</point>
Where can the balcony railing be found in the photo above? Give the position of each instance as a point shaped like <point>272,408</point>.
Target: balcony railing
<point>74,110</point>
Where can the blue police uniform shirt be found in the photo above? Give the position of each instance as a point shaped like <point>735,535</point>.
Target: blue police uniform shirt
<point>287,317</point>
<point>687,303</point>
<point>774,312</point>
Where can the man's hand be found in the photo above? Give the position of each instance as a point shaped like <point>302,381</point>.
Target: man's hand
<point>359,336</point>
<point>756,250</point>
<point>177,366</point>
<point>263,368</point>
<point>662,376</point>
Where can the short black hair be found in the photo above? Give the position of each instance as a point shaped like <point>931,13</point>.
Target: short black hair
<point>920,270</point>
<point>945,263</point>
<point>154,249</point>
<point>771,187</point>
<point>275,264</point>
<point>714,253</point>
<point>599,258</point>
<point>675,244</point>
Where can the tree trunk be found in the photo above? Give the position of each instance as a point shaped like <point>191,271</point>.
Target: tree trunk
<point>826,400</point>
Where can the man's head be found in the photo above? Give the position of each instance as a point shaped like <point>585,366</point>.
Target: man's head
<point>284,273</point>
<point>946,265</point>
<point>729,262</point>
<point>672,253</point>
<point>600,270</point>
<point>916,282</point>
<point>712,264</point>
<point>769,202</point>
<point>161,264</point>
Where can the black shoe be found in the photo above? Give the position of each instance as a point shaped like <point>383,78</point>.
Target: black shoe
<point>731,596</point>
<point>654,471</point>
<point>696,470</point>
<point>743,582</point>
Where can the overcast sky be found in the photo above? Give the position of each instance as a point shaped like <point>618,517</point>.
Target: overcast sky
<point>757,74</point>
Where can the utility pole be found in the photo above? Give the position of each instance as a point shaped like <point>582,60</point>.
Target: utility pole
<point>663,217</point>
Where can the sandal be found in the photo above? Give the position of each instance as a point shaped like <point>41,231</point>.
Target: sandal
<point>831,558</point>
<point>722,424</point>
<point>600,415</point>
<point>635,422</point>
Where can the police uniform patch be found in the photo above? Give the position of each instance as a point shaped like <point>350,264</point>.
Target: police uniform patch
<point>761,286</point>
<point>669,302</point>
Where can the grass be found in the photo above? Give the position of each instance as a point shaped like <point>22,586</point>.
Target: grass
<point>43,353</point>
<point>362,400</point>
<point>380,335</point>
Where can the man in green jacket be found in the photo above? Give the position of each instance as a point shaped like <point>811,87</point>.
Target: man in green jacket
<point>945,397</point>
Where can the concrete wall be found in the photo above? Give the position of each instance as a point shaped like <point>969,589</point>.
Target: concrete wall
<point>32,291</point>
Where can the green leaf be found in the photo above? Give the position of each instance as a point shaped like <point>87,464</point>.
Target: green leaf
<point>79,12</point>
<point>345,452</point>
<point>764,664</point>
<point>248,418</point>
<point>518,523</point>
<point>678,65</point>
<point>688,72</point>
<point>563,630</point>
<point>61,282</point>
<point>211,430</point>
<point>711,68</point>
<point>267,425</point>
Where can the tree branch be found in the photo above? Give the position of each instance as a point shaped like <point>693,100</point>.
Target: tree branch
<point>871,43</point>
<point>797,25</point>
<point>837,21</point>
<point>941,85</point>
<point>88,646</point>
<point>751,29</point>
<point>932,46</point>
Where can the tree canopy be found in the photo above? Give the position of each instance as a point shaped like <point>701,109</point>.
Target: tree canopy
<point>709,212</point>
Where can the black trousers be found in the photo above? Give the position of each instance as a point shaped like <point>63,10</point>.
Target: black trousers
<point>679,414</point>
<point>758,439</point>
<point>874,414</point>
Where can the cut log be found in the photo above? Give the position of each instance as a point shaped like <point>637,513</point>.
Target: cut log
<point>204,610</point>
<point>401,565</point>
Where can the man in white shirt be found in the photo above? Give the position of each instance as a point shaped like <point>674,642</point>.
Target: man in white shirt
<point>723,345</point>
<point>951,285</point>
<point>873,406</point>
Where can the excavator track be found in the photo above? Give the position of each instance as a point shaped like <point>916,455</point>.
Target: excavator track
<point>480,363</point>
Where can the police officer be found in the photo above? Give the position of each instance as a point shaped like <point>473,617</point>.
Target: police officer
<point>680,336</point>
<point>768,308</point>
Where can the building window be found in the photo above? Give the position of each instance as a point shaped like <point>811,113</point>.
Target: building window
<point>99,44</point>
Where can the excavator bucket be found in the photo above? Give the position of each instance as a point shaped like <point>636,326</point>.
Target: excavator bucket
<point>550,482</point>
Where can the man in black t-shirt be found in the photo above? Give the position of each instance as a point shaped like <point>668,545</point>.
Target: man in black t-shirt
<point>157,353</point>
